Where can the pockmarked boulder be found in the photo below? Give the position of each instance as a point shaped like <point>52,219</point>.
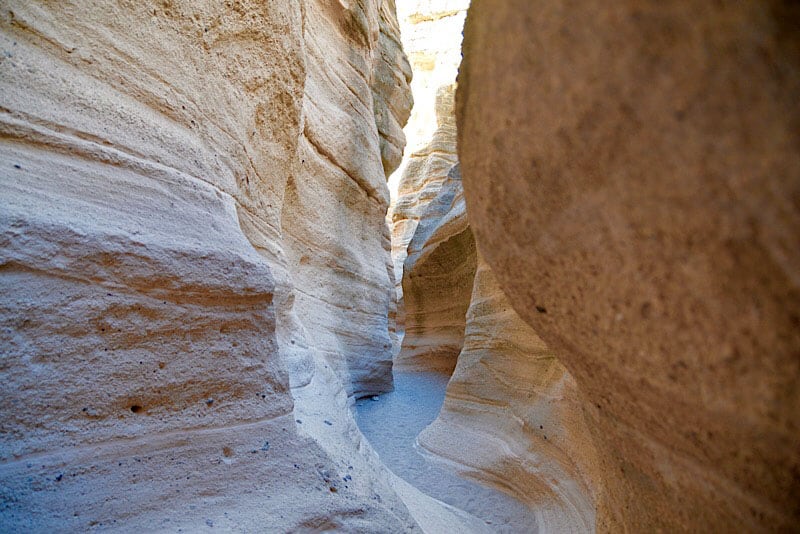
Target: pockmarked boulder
<point>632,175</point>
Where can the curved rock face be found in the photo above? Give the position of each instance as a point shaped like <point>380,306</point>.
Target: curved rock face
<point>511,408</point>
<point>431,31</point>
<point>437,281</point>
<point>188,189</point>
<point>338,244</point>
<point>632,174</point>
<point>432,248</point>
<point>515,415</point>
<point>425,196</point>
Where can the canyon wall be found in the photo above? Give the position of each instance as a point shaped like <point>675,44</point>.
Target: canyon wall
<point>437,272</point>
<point>511,417</point>
<point>434,301</point>
<point>631,174</point>
<point>193,246</point>
<point>515,414</point>
<point>335,235</point>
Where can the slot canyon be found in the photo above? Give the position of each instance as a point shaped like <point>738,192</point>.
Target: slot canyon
<point>400,266</point>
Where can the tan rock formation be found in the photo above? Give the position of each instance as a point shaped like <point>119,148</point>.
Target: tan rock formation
<point>193,205</point>
<point>507,387</point>
<point>437,281</point>
<point>432,315</point>
<point>431,33</point>
<point>334,206</point>
<point>631,174</point>
<point>512,416</point>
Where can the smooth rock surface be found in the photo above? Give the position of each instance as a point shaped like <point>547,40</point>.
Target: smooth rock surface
<point>515,413</point>
<point>433,272</point>
<point>437,281</point>
<point>194,258</point>
<point>631,173</point>
<point>336,240</point>
<point>506,384</point>
<point>431,35</point>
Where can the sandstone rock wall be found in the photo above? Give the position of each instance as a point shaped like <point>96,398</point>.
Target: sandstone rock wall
<point>431,35</point>
<point>506,383</point>
<point>631,173</point>
<point>437,281</point>
<point>337,241</point>
<point>512,416</point>
<point>432,314</point>
<point>426,194</point>
<point>507,387</point>
<point>193,207</point>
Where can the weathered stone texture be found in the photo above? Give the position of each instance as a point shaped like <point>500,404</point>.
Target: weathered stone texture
<point>431,34</point>
<point>167,169</point>
<point>437,281</point>
<point>631,173</point>
<point>512,416</point>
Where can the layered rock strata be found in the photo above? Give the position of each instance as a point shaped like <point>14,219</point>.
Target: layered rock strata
<point>512,416</point>
<point>192,225</point>
<point>431,33</point>
<point>432,248</point>
<point>631,174</point>
<point>437,281</point>
<point>507,386</point>
<point>334,205</point>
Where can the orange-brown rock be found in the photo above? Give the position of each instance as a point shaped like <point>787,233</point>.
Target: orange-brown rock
<point>632,175</point>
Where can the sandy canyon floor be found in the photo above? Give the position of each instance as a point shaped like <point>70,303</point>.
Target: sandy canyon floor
<point>392,422</point>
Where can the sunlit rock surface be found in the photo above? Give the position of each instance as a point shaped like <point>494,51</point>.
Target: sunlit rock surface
<point>506,384</point>
<point>631,174</point>
<point>192,225</point>
<point>432,317</point>
<point>335,202</point>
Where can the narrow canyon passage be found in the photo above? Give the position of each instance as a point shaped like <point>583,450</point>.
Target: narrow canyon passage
<point>384,266</point>
<point>392,422</point>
